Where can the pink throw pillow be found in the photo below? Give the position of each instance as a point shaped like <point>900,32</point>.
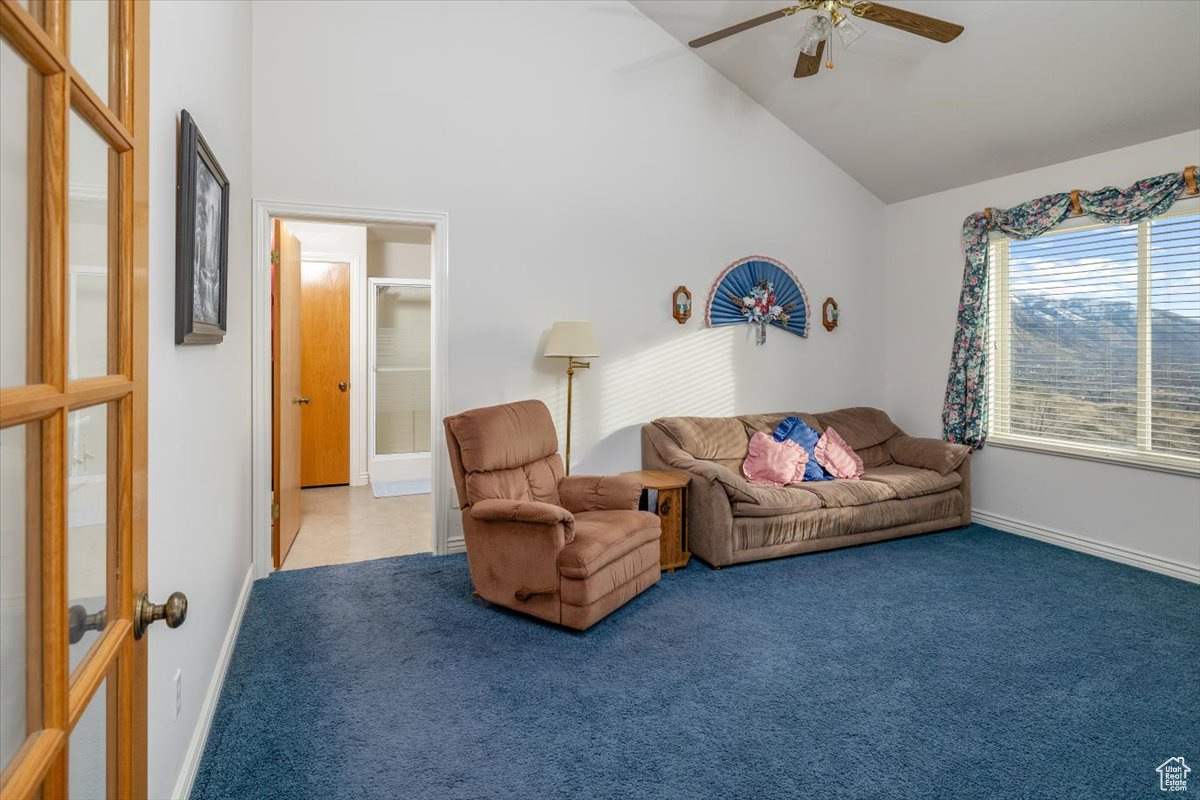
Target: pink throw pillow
<point>837,457</point>
<point>776,463</point>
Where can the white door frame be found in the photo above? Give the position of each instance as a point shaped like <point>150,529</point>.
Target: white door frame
<point>264,211</point>
<point>357,398</point>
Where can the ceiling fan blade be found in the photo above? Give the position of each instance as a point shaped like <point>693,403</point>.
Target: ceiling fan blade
<point>809,65</point>
<point>921,25</point>
<point>741,26</point>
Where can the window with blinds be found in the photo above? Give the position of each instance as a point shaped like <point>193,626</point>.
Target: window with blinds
<point>1095,335</point>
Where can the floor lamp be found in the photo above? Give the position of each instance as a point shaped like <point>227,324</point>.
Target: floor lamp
<point>572,341</point>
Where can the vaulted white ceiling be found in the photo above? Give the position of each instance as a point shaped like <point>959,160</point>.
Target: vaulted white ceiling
<point>1029,83</point>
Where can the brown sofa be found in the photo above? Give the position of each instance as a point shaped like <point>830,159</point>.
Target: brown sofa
<point>909,486</point>
<point>569,550</point>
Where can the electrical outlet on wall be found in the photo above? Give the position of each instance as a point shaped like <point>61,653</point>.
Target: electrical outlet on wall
<point>178,692</point>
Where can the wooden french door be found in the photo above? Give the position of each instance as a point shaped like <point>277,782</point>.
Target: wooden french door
<point>286,398</point>
<point>74,132</point>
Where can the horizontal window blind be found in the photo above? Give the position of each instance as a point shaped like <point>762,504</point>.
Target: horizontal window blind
<point>1095,331</point>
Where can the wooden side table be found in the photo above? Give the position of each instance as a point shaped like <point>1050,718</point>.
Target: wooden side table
<point>672,513</point>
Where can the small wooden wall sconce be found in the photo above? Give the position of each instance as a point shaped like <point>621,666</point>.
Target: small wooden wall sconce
<point>829,313</point>
<point>681,304</point>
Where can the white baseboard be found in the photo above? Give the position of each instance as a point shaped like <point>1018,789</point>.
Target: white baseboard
<point>191,761</point>
<point>1124,555</point>
<point>456,545</point>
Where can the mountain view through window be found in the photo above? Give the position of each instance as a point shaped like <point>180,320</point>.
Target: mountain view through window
<point>1096,335</point>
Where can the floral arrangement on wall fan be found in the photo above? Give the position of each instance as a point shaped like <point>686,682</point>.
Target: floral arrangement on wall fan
<point>762,292</point>
<point>761,307</point>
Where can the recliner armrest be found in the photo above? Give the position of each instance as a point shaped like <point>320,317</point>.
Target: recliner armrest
<point>523,511</point>
<point>580,493</point>
<point>912,451</point>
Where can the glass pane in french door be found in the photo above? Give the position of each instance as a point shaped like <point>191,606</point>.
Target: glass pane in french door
<point>87,765</point>
<point>87,528</point>
<point>88,247</point>
<point>16,213</point>
<point>89,43</point>
<point>20,511</point>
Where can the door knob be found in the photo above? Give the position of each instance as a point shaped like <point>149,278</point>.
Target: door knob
<point>79,622</point>
<point>302,401</point>
<point>174,611</point>
<point>343,385</point>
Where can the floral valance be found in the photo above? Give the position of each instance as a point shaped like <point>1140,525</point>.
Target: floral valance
<point>964,414</point>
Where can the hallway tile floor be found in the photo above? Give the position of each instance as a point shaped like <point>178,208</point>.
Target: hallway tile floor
<point>342,524</point>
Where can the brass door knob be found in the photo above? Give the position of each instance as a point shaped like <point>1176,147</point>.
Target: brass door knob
<point>303,401</point>
<point>174,611</point>
<point>343,385</point>
<point>79,622</point>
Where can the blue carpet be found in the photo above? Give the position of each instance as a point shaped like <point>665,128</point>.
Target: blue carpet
<point>971,663</point>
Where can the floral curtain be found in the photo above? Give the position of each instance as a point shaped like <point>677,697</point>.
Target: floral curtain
<point>964,414</point>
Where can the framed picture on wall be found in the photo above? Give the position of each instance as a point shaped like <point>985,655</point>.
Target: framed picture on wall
<point>201,240</point>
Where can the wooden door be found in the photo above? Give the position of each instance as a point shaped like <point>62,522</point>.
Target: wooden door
<point>285,346</point>
<point>325,374</point>
<point>74,134</point>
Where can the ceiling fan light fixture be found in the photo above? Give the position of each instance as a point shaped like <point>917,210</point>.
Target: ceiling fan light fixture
<point>848,32</point>
<point>815,32</point>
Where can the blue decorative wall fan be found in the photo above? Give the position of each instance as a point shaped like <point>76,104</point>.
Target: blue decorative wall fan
<point>760,291</point>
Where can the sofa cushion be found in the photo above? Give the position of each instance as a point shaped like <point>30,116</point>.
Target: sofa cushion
<point>913,451</point>
<point>798,431</point>
<point>842,494</point>
<point>837,457</point>
<point>504,437</point>
<point>774,463</point>
<point>909,482</point>
<point>876,456</point>
<point>601,537</point>
<point>751,533</point>
<point>861,427</point>
<point>771,501</point>
<point>707,438</point>
<point>767,423</point>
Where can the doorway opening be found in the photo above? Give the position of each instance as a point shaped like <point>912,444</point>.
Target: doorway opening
<point>355,354</point>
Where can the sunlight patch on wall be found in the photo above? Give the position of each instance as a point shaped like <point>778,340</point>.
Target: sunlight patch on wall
<point>692,375</point>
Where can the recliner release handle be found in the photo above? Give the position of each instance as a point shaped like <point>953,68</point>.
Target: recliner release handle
<point>524,594</point>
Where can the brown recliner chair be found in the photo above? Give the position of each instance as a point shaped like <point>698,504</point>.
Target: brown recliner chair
<point>567,550</point>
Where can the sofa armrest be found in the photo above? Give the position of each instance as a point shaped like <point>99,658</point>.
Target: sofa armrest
<point>580,493</point>
<point>737,488</point>
<point>524,512</point>
<point>912,451</point>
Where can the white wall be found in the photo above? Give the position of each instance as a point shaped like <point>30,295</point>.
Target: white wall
<point>1149,512</point>
<point>199,459</point>
<point>326,238</point>
<point>589,163</point>
<point>400,259</point>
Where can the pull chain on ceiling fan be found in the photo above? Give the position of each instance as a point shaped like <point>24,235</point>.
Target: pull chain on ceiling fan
<point>831,17</point>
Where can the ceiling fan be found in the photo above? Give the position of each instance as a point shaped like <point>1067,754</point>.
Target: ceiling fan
<point>830,17</point>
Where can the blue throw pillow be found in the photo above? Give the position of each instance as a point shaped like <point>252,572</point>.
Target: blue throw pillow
<point>795,429</point>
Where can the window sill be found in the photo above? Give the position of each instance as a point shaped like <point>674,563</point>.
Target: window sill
<point>1125,458</point>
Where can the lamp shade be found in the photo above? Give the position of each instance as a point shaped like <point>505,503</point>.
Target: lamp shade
<point>569,339</point>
